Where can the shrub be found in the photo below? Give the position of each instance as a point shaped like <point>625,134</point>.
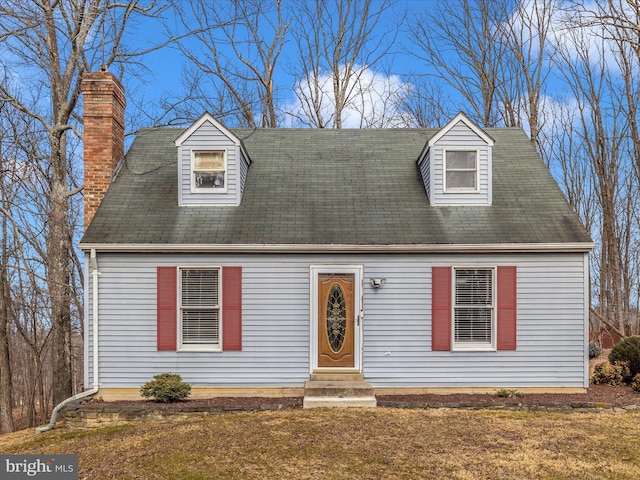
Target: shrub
<point>628,350</point>
<point>635,383</point>
<point>608,374</point>
<point>166,388</point>
<point>508,393</point>
<point>594,350</point>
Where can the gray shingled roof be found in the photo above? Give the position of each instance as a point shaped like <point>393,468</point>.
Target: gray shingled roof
<point>345,187</point>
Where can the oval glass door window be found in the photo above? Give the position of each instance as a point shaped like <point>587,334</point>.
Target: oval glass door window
<point>336,318</point>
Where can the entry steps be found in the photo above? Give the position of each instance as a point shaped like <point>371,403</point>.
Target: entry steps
<point>338,390</point>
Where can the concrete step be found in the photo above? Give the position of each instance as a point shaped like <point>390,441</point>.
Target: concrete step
<point>335,376</point>
<point>339,402</point>
<point>321,388</point>
<point>338,393</point>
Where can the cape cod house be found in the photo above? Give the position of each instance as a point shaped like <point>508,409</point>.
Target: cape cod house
<point>253,260</point>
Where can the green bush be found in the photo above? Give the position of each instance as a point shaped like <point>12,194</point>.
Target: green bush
<point>628,350</point>
<point>594,350</point>
<point>608,374</point>
<point>635,383</point>
<point>166,388</point>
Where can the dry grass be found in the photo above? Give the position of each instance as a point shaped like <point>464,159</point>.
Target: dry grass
<point>353,443</point>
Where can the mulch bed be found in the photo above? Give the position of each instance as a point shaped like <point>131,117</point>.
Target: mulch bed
<point>615,396</point>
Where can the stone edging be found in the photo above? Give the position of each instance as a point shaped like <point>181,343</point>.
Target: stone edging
<point>77,416</point>
<point>86,416</point>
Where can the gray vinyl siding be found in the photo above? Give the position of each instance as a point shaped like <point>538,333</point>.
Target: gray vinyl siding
<point>551,324</point>
<point>460,136</point>
<point>551,328</point>
<point>425,171</point>
<point>209,137</point>
<point>244,170</point>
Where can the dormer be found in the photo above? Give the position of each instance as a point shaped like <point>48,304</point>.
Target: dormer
<point>456,164</point>
<point>212,165</point>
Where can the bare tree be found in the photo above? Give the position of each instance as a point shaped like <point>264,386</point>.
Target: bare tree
<point>425,105</point>
<point>564,153</point>
<point>6,389</point>
<point>461,40</point>
<point>527,33</point>
<point>6,397</point>
<point>620,19</point>
<point>614,25</point>
<point>602,131</point>
<point>628,96</point>
<point>495,54</point>
<point>52,43</point>
<point>618,22</point>
<point>338,41</point>
<point>234,50</point>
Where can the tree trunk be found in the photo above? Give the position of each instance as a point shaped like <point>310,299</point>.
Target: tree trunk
<point>6,398</point>
<point>58,278</point>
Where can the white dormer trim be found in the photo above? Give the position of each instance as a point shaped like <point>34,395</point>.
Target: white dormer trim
<point>206,117</point>
<point>203,185</point>
<point>198,123</point>
<point>461,117</point>
<point>459,134</point>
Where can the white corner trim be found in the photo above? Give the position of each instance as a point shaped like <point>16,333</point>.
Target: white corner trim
<point>586,292</point>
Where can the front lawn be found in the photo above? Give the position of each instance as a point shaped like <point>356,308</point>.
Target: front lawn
<point>355,444</point>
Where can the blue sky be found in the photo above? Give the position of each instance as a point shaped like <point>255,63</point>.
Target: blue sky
<point>165,66</point>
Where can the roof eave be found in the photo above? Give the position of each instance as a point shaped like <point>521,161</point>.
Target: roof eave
<point>574,247</point>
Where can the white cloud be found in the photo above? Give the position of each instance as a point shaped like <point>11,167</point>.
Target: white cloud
<point>556,112</point>
<point>574,31</point>
<point>373,102</point>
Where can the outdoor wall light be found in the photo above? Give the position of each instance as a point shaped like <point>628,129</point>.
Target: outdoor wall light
<point>377,282</point>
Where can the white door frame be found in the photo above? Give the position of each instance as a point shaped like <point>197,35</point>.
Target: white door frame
<point>357,272</point>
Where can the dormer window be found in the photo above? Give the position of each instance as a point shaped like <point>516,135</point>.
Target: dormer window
<point>461,171</point>
<point>209,171</point>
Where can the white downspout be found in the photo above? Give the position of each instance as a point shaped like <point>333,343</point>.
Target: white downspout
<point>94,389</point>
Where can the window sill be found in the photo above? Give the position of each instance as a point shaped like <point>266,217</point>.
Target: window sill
<point>195,191</point>
<point>461,190</point>
<point>470,348</point>
<point>207,348</point>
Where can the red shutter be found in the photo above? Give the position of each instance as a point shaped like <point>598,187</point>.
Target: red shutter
<point>507,308</point>
<point>232,308</point>
<point>167,314</point>
<point>441,308</point>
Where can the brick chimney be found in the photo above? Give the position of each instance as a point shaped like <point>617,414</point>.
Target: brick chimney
<point>104,105</point>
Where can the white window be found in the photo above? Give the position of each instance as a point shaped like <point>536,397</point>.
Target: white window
<point>199,308</point>
<point>461,170</point>
<point>209,171</point>
<point>474,309</point>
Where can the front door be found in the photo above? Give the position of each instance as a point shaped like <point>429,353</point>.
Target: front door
<point>336,320</point>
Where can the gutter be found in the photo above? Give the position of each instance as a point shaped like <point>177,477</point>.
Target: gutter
<point>340,248</point>
<point>58,408</point>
